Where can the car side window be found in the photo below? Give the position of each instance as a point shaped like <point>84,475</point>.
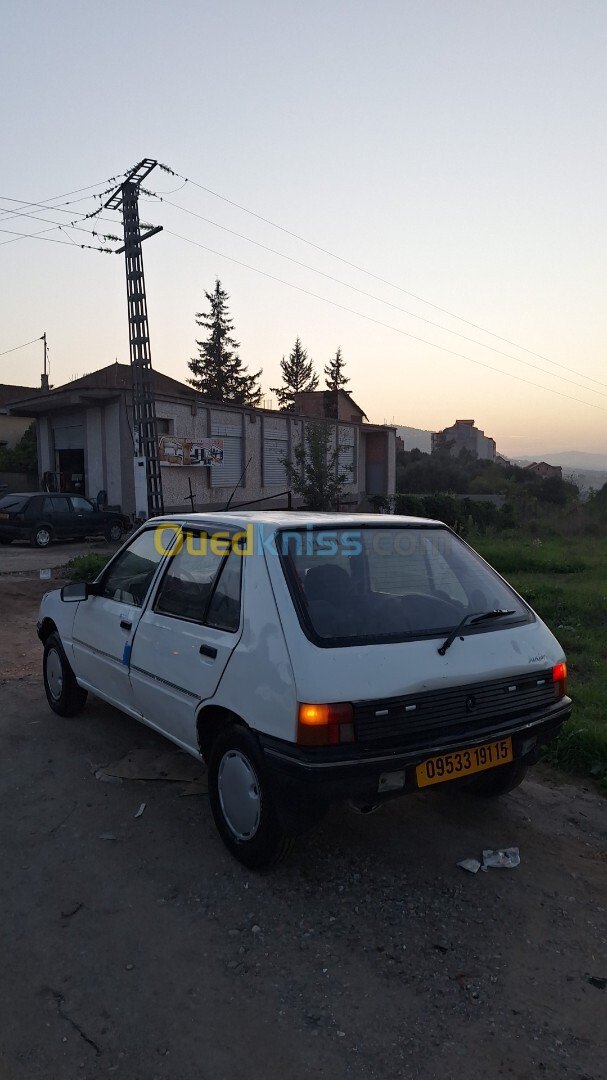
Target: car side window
<point>55,505</point>
<point>188,583</point>
<point>81,505</point>
<point>224,609</point>
<point>129,576</point>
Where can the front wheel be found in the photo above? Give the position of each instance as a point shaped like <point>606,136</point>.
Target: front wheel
<point>241,801</point>
<point>499,781</point>
<point>41,536</point>
<point>114,532</point>
<point>63,694</point>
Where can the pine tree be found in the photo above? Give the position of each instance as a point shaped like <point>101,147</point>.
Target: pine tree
<point>297,375</point>
<point>335,380</point>
<point>218,371</point>
<point>315,473</point>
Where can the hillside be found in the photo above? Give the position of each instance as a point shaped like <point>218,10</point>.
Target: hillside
<point>415,438</point>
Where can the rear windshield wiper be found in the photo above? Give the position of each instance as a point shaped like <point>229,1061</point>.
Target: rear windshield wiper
<point>472,620</point>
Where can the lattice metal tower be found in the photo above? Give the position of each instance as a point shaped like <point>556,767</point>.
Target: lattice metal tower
<point>145,426</point>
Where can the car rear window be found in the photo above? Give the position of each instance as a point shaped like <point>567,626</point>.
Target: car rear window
<point>13,504</point>
<point>388,584</point>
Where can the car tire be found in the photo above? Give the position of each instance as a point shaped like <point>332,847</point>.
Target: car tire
<point>41,536</point>
<point>241,801</point>
<point>63,694</point>
<point>114,532</point>
<point>500,781</point>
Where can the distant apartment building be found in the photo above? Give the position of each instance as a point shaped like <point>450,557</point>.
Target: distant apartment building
<point>463,435</point>
<point>544,470</point>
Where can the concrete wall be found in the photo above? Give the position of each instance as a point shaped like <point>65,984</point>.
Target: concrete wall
<point>18,481</point>
<point>194,422</point>
<point>46,457</point>
<point>93,453</point>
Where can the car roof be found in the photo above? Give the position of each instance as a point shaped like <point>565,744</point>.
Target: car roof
<point>32,494</point>
<point>293,519</point>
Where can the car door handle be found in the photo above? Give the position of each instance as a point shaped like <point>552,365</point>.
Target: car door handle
<point>125,625</point>
<point>208,650</point>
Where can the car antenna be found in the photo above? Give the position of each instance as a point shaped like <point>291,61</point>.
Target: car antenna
<point>238,482</point>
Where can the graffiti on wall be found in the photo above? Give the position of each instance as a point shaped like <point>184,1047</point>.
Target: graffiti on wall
<point>175,451</point>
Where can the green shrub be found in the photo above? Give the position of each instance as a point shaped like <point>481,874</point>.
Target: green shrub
<point>86,567</point>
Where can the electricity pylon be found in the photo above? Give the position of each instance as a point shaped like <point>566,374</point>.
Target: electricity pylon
<point>145,426</point>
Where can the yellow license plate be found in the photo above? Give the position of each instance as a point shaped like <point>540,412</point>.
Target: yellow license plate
<point>463,762</point>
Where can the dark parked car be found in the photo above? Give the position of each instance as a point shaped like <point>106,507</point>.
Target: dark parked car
<point>42,516</point>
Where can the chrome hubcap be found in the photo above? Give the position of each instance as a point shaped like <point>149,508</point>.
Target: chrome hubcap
<point>239,795</point>
<point>54,674</point>
<point>43,537</point>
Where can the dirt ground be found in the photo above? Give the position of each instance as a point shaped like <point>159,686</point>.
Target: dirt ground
<point>20,557</point>
<point>136,947</point>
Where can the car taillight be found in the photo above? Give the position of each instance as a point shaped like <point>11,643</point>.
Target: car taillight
<point>559,678</point>
<point>325,725</point>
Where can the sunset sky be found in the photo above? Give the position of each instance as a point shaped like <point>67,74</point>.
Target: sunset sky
<point>456,151</point>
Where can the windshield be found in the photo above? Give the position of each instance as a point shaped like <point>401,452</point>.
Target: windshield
<point>388,584</point>
<point>13,503</point>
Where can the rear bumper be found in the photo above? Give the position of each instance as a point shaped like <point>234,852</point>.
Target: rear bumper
<point>306,780</point>
<point>14,532</point>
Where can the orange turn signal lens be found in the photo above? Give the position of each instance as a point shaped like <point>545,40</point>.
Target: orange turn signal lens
<point>325,725</point>
<point>313,715</point>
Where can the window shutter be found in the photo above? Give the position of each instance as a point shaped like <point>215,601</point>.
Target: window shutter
<point>275,450</point>
<point>228,474</point>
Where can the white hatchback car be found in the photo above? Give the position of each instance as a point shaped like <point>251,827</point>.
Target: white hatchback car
<point>309,658</point>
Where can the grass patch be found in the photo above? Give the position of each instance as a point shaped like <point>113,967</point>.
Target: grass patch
<point>86,567</point>
<point>565,581</point>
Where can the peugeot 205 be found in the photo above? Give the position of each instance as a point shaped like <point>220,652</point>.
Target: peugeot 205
<point>309,658</point>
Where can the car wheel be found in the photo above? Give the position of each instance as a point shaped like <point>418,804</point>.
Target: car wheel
<point>63,694</point>
<point>41,536</point>
<point>500,781</point>
<point>241,801</point>
<point>114,531</point>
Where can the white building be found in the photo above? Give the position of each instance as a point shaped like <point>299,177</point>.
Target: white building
<point>85,444</point>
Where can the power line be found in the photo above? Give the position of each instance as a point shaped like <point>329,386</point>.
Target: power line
<point>55,209</point>
<point>25,343</point>
<point>67,225</point>
<point>379,299</point>
<point>52,240</point>
<point>65,194</point>
<point>387,326</point>
<point>376,277</point>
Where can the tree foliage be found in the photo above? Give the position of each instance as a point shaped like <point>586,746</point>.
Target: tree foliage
<point>335,380</point>
<point>24,456</point>
<point>315,473</point>
<point>334,372</point>
<point>298,375</point>
<point>218,371</point>
<point>429,474</point>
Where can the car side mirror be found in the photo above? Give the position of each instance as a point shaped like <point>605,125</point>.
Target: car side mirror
<point>78,590</point>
